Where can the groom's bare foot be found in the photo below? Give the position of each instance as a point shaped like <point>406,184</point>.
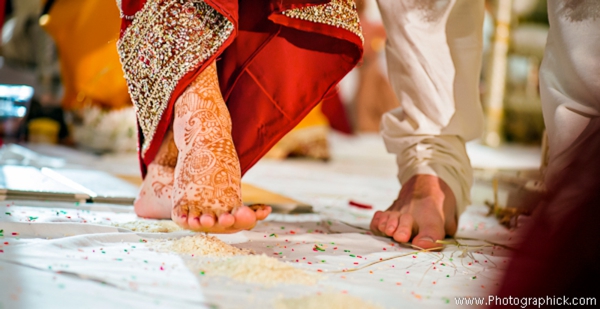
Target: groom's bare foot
<point>425,212</point>
<point>207,183</point>
<point>154,199</point>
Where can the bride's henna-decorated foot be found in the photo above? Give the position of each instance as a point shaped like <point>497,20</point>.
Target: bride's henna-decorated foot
<point>207,184</point>
<point>154,198</point>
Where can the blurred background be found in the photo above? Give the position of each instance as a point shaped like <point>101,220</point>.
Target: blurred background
<point>65,50</point>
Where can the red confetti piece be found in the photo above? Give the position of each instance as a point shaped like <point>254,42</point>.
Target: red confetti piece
<point>355,263</point>
<point>15,233</point>
<point>360,205</point>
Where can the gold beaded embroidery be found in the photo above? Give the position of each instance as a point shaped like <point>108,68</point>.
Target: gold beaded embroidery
<point>166,40</point>
<point>337,13</point>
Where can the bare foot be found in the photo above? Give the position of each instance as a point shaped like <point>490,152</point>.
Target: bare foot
<point>207,186</point>
<point>154,199</point>
<point>425,212</point>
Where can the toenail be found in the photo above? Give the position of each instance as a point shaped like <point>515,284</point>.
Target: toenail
<point>427,238</point>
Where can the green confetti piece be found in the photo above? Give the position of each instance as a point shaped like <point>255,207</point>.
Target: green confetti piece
<point>322,261</point>
<point>283,227</point>
<point>202,273</point>
<point>145,261</point>
<point>76,203</point>
<point>447,276</point>
<point>63,212</point>
<point>103,252</point>
<point>119,259</point>
<point>280,253</point>
<point>319,248</point>
<point>7,213</point>
<point>32,218</point>
<point>346,250</point>
<point>381,280</point>
<point>133,247</point>
<point>352,255</point>
<point>451,259</point>
<point>125,250</point>
<point>474,277</point>
<point>273,235</point>
<point>329,222</point>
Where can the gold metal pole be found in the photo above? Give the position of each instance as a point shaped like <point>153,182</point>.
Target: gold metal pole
<point>496,77</point>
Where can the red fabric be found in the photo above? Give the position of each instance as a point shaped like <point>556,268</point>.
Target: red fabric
<point>559,256</point>
<point>2,8</point>
<point>272,72</point>
<point>336,114</point>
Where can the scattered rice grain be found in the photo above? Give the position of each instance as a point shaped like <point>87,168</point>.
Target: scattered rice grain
<point>197,245</point>
<point>255,269</point>
<point>145,226</point>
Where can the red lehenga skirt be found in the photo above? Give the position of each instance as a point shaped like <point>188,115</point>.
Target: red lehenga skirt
<point>276,60</point>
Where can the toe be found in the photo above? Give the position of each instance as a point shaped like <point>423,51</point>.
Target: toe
<point>404,229</point>
<point>207,220</point>
<point>180,217</point>
<point>429,233</point>
<point>375,221</point>
<point>194,223</point>
<point>262,213</point>
<point>245,218</point>
<point>226,220</point>
<point>392,223</point>
<point>383,223</point>
<point>193,218</point>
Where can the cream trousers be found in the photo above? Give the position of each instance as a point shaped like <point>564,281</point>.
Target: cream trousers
<point>434,60</point>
